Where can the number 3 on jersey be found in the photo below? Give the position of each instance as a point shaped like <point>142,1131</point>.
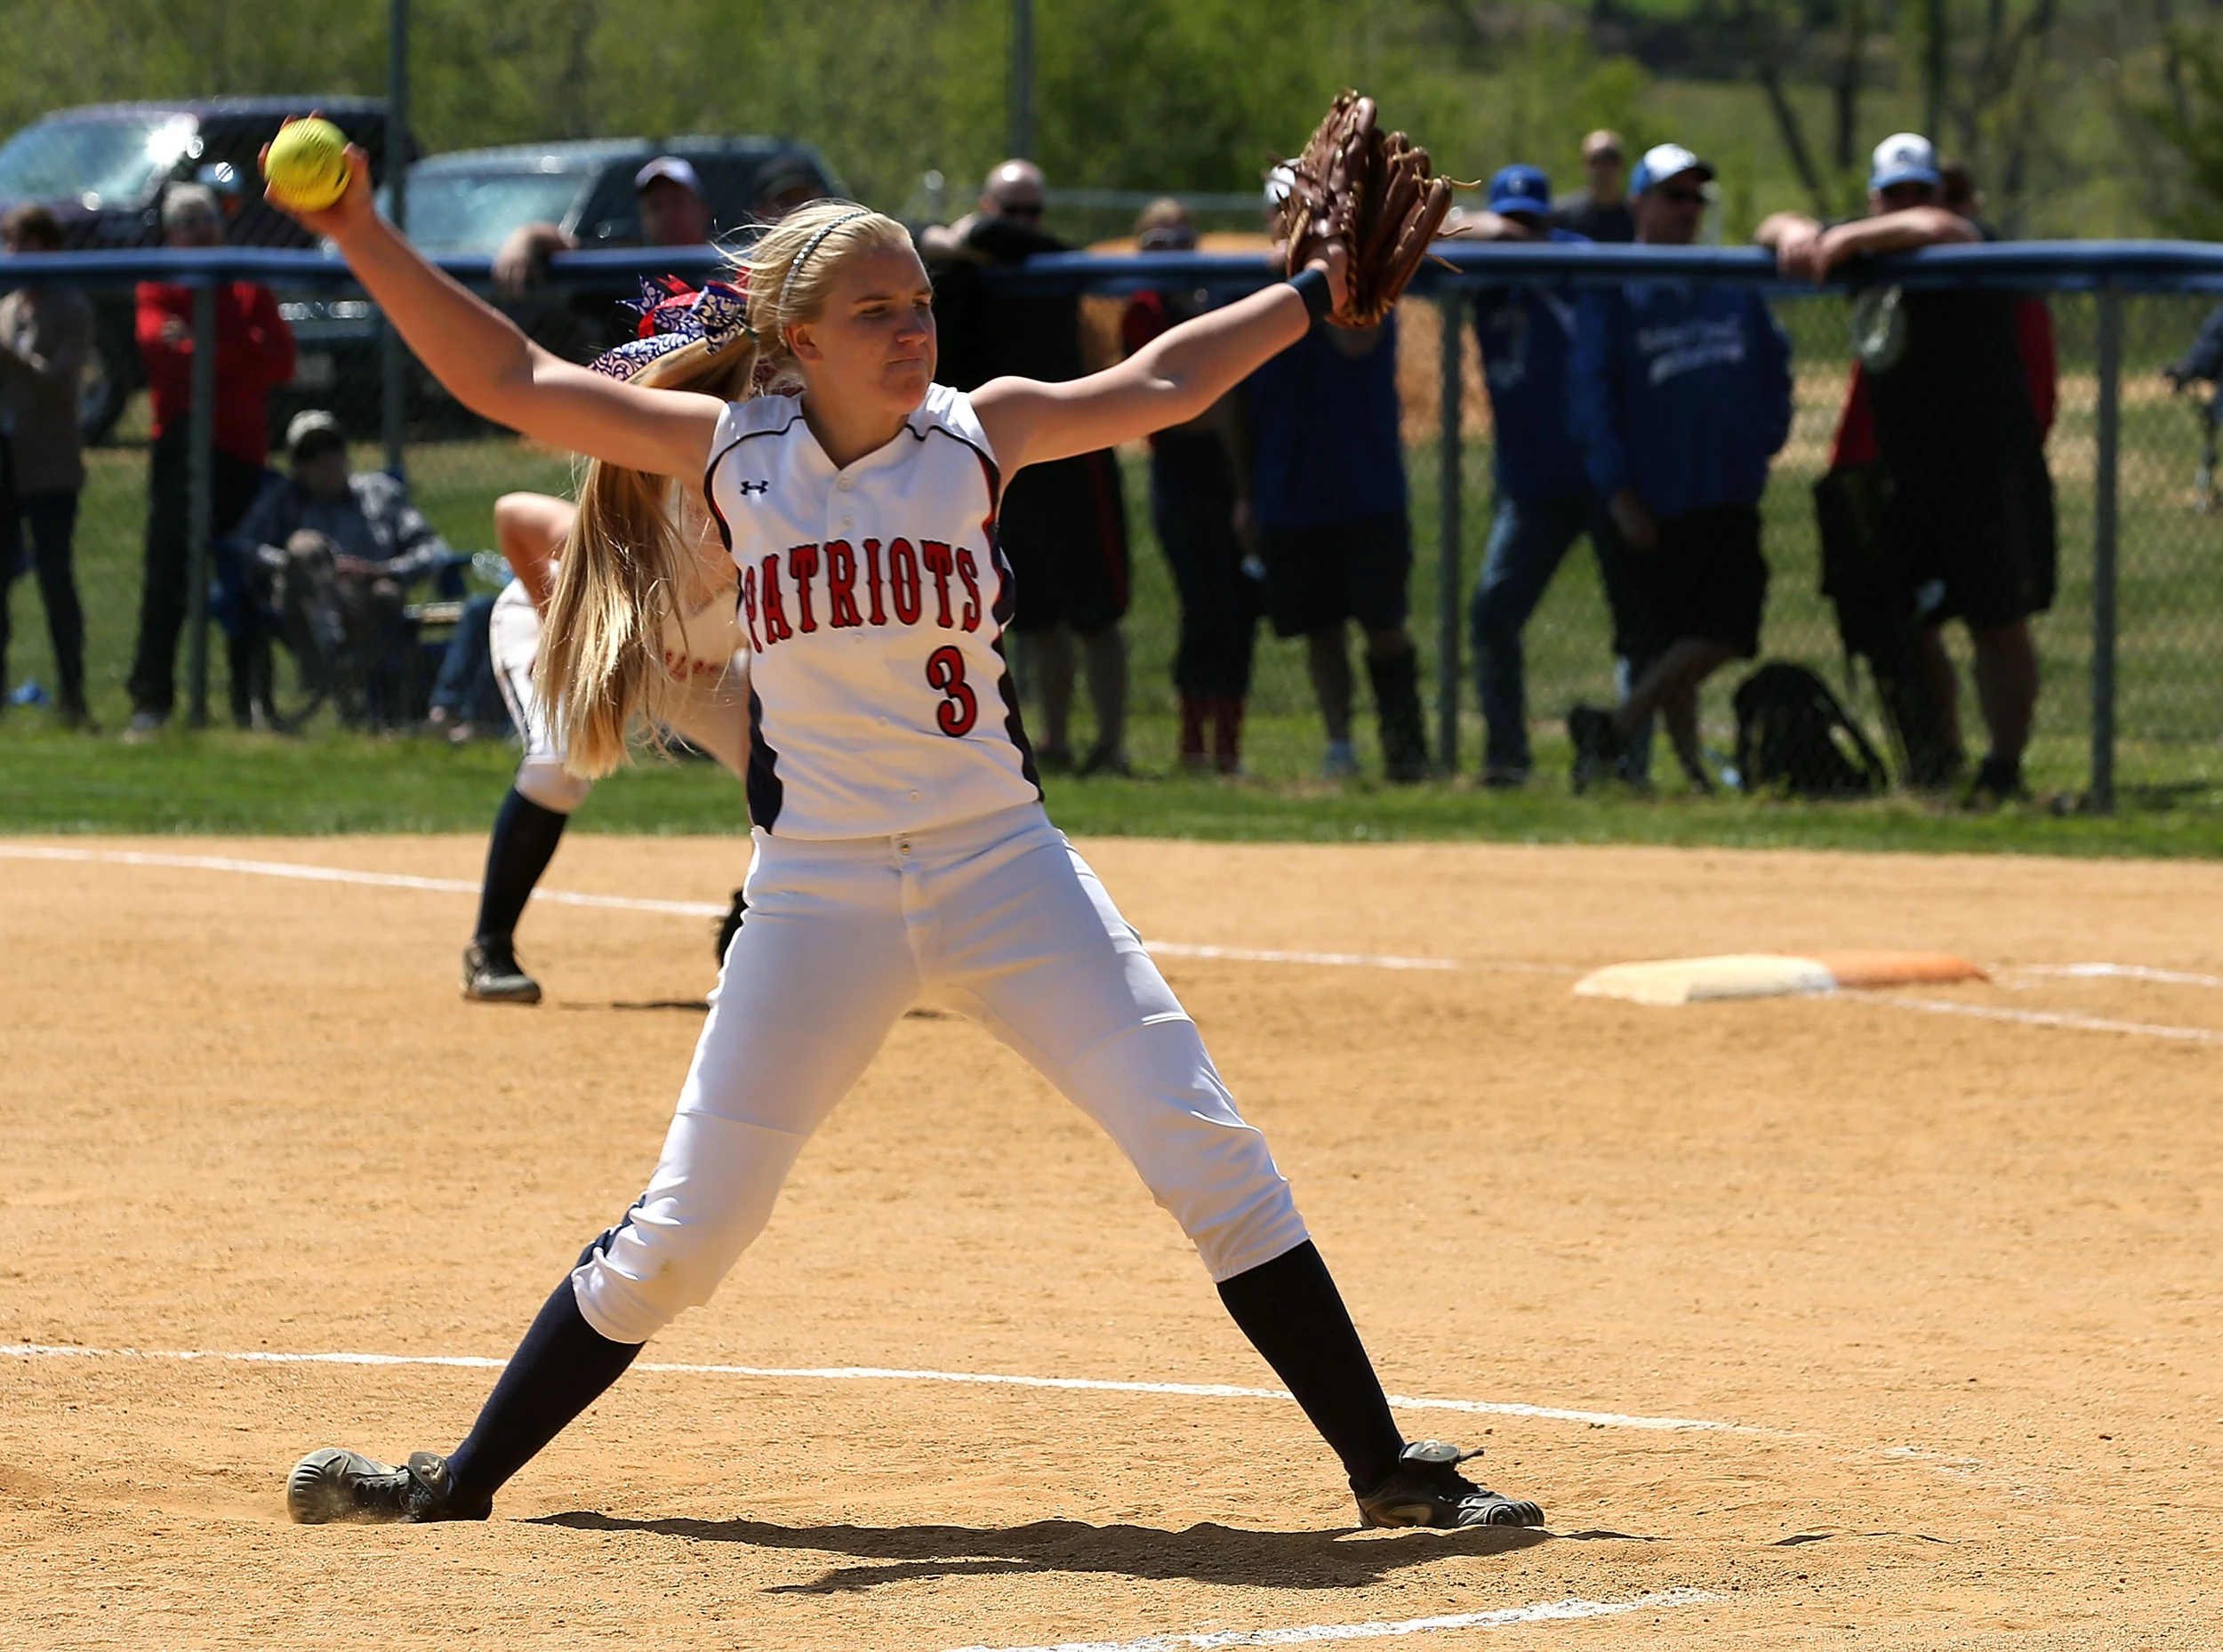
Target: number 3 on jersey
<point>959,710</point>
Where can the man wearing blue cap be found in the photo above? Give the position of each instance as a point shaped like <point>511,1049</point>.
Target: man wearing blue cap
<point>1969,521</point>
<point>1679,396</point>
<point>1544,495</point>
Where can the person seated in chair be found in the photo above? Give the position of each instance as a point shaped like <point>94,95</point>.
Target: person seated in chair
<point>339,547</point>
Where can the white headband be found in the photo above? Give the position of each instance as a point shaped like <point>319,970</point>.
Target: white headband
<point>811,247</point>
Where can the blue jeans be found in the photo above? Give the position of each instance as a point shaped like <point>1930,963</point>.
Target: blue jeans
<point>465,685</point>
<point>51,519</point>
<point>1528,539</point>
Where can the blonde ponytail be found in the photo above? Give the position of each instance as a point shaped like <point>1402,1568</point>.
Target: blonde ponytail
<point>624,570</point>
<point>628,561</point>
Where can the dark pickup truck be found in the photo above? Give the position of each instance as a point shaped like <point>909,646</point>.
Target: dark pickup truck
<point>466,203</point>
<point>103,170</point>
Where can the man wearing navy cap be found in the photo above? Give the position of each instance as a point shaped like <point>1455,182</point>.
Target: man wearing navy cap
<point>1678,395</point>
<point>1970,518</point>
<point>1544,495</point>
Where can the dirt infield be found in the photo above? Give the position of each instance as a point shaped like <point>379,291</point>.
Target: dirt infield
<point>1946,1280</point>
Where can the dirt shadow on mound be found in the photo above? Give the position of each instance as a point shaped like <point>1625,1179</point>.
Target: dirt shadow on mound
<point>1205,1553</point>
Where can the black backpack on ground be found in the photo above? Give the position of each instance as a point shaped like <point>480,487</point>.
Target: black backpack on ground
<point>1876,617</point>
<point>1794,736</point>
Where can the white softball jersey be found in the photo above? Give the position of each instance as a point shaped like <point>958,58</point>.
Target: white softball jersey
<point>873,600</point>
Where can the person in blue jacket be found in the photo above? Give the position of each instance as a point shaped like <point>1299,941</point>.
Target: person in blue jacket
<point>1678,395</point>
<point>1543,497</point>
<point>1331,513</point>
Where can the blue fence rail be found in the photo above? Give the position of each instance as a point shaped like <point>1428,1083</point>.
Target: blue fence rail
<point>2108,271</point>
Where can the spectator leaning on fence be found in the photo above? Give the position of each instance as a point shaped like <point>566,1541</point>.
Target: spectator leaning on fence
<point>1599,210</point>
<point>1969,514</point>
<point>1934,750</point>
<point>1678,395</point>
<point>1196,493</point>
<point>1543,497</point>
<point>254,351</point>
<point>341,548</point>
<point>1064,525</point>
<point>45,332</point>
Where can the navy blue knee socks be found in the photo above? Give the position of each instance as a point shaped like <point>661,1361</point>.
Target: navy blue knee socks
<point>560,1368</point>
<point>1293,1316</point>
<point>1288,1308</point>
<point>523,841</point>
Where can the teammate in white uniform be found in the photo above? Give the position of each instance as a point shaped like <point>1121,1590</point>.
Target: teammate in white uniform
<point>901,851</point>
<point>704,649</point>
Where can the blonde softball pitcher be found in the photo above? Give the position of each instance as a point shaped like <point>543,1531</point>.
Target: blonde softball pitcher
<point>901,851</point>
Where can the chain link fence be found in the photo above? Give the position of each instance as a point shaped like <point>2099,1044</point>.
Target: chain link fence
<point>2166,696</point>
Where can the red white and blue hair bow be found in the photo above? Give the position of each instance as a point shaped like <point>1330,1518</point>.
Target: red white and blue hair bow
<point>673,316</point>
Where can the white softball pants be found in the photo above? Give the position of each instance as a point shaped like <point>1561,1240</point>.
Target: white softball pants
<point>713,714</point>
<point>997,917</point>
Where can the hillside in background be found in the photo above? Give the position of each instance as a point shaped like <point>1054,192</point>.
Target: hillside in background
<point>2062,104</point>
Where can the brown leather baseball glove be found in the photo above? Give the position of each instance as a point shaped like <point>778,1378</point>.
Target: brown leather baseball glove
<point>1377,195</point>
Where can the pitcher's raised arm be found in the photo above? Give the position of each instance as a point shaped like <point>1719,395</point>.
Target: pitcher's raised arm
<point>489,365</point>
<point>1171,380</point>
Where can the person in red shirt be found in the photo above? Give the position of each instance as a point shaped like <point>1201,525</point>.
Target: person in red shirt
<point>254,351</point>
<point>1938,472</point>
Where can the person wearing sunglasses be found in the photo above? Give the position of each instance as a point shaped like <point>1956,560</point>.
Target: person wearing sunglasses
<point>1968,523</point>
<point>1678,395</point>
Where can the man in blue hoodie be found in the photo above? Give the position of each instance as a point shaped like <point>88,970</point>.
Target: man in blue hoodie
<point>1678,395</point>
<point>1543,496</point>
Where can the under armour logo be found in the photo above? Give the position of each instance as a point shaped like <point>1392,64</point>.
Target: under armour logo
<point>747,488</point>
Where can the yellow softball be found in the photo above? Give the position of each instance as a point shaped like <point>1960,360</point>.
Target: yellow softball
<point>307,164</point>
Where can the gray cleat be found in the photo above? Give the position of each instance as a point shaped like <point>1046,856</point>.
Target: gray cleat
<point>1426,1488</point>
<point>338,1485</point>
<point>491,974</point>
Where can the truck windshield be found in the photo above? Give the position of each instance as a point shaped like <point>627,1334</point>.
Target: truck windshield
<point>94,162</point>
<point>461,213</point>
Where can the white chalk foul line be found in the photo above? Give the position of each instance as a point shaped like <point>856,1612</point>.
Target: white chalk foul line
<point>1543,1612</point>
<point>886,1373</point>
<point>1254,955</point>
<point>339,875</point>
<point>632,904</point>
<point>2040,1017</point>
<point>2123,972</point>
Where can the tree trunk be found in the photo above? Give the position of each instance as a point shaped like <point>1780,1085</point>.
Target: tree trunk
<point>1760,34</point>
<point>1935,44</point>
<point>1846,149</point>
<point>2030,50</point>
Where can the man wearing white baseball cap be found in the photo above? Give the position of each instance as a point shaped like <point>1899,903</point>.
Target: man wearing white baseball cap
<point>1668,164</point>
<point>1679,394</point>
<point>1969,523</point>
<point>674,212</point>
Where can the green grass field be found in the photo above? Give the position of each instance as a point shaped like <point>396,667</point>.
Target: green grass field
<point>2170,762</point>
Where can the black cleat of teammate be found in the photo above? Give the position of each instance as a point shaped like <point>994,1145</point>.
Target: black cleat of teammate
<point>729,926</point>
<point>1426,1488</point>
<point>491,974</point>
<point>338,1485</point>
